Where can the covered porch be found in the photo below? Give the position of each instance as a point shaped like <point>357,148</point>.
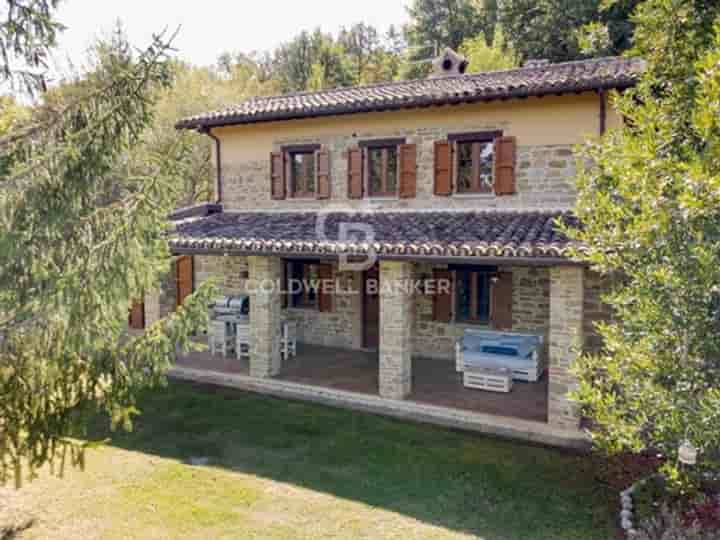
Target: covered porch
<point>434,382</point>
<point>520,282</point>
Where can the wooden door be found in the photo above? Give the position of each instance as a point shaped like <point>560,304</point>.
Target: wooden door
<point>137,316</point>
<point>371,308</point>
<point>184,278</point>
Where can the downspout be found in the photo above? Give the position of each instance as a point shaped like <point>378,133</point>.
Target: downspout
<point>603,111</point>
<point>218,163</point>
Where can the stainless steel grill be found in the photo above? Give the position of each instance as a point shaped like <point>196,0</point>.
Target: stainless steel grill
<point>231,308</point>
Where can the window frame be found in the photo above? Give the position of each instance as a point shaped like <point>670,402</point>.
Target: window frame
<point>474,138</point>
<point>289,153</point>
<point>474,273</point>
<point>384,145</point>
<point>290,265</point>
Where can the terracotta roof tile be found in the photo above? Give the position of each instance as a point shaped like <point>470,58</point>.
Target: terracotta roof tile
<point>448,234</point>
<point>578,76</point>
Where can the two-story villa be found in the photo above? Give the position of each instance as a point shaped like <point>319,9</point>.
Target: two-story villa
<point>459,179</point>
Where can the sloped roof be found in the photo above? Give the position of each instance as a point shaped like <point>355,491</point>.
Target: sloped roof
<point>449,234</point>
<point>578,76</point>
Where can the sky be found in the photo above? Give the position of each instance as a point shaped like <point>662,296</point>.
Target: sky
<point>210,27</point>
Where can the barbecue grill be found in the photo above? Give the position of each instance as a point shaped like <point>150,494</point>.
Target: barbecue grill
<point>232,309</point>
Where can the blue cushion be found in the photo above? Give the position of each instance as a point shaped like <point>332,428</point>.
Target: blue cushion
<point>499,349</point>
<point>488,341</point>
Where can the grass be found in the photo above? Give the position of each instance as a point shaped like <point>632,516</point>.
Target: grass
<point>281,469</point>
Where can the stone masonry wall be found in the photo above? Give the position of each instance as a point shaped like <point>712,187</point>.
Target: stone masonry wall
<point>531,311</point>
<point>338,328</point>
<point>544,177</point>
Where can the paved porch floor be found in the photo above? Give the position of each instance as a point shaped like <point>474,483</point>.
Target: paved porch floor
<point>434,381</point>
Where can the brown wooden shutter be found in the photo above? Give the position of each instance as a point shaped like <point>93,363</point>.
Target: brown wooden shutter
<point>443,168</point>
<point>442,301</point>
<point>322,160</point>
<point>501,298</point>
<point>137,315</point>
<point>504,165</point>
<point>184,278</point>
<point>408,170</point>
<point>325,271</point>
<point>355,173</point>
<point>277,175</point>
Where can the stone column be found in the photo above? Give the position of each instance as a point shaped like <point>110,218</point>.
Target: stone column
<point>565,342</point>
<point>152,307</point>
<point>396,319</point>
<point>265,274</point>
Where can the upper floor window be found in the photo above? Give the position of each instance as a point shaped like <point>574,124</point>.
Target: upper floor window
<point>475,163</point>
<point>382,168</point>
<point>382,171</point>
<point>302,174</point>
<point>474,166</point>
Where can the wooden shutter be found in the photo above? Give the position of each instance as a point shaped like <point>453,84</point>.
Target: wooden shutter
<point>442,301</point>
<point>183,278</point>
<point>408,170</point>
<point>137,315</point>
<point>355,173</point>
<point>504,165</point>
<point>443,168</point>
<point>277,175</point>
<point>501,294</point>
<point>322,177</point>
<point>325,271</point>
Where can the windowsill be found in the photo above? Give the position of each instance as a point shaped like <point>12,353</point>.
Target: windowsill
<point>304,198</point>
<point>474,195</point>
<point>303,309</point>
<point>472,324</point>
<point>381,198</point>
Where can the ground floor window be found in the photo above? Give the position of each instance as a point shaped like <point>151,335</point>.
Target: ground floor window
<point>472,294</point>
<point>303,278</point>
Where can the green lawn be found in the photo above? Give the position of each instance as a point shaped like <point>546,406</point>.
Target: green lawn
<point>280,469</point>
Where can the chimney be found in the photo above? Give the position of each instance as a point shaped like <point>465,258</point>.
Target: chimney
<point>536,62</point>
<point>448,63</point>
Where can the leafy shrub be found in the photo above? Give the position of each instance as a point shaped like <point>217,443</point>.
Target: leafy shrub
<point>670,524</point>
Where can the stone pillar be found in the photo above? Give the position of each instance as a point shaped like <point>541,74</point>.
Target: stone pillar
<point>152,307</point>
<point>265,275</point>
<point>565,343</point>
<point>396,320</point>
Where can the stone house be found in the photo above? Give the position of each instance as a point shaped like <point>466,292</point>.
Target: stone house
<point>455,179</point>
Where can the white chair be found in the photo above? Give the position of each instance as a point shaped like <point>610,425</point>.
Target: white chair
<point>221,337</point>
<point>288,343</point>
<point>242,341</point>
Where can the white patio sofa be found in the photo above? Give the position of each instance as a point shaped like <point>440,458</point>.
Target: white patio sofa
<point>518,353</point>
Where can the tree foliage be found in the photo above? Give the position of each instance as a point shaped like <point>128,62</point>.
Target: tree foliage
<point>561,30</point>
<point>483,57</point>
<point>83,223</point>
<point>28,31</point>
<point>436,25</point>
<point>650,212</point>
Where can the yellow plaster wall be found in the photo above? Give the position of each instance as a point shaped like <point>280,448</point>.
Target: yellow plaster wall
<point>553,120</point>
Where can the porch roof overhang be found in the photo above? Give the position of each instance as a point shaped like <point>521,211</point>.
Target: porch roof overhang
<point>512,237</point>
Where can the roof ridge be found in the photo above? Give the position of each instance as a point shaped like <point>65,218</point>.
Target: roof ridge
<point>525,81</point>
<point>463,76</point>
